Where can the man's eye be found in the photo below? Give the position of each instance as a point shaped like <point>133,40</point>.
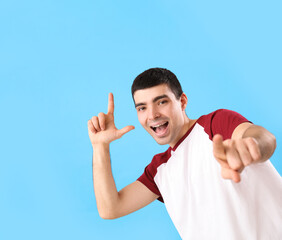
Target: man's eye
<point>141,109</point>
<point>163,102</point>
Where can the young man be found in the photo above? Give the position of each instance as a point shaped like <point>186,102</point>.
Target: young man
<point>191,176</point>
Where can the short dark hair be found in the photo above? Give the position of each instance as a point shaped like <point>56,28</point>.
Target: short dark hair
<point>156,76</point>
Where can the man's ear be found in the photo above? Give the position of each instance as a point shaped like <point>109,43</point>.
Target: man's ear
<point>184,101</point>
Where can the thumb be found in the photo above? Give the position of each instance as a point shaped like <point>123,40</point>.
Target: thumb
<point>124,130</point>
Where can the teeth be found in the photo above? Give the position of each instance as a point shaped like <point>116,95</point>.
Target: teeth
<point>154,127</point>
<point>159,125</point>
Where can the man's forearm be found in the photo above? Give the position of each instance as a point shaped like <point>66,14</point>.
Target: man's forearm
<point>103,181</point>
<point>265,139</point>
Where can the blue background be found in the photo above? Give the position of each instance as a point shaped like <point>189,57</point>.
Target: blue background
<point>60,59</point>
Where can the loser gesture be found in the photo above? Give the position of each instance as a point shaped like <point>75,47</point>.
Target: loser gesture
<point>102,129</point>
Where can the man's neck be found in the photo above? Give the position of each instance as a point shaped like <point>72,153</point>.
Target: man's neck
<point>187,125</point>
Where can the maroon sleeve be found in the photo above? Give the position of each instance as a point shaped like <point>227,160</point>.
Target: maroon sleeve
<point>147,178</point>
<point>225,121</point>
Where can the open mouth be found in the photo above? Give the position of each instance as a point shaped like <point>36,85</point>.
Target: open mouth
<point>161,128</point>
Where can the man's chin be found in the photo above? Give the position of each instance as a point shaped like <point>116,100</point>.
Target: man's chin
<point>161,141</point>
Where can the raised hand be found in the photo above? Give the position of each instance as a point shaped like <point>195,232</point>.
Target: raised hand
<point>102,129</point>
<point>235,154</point>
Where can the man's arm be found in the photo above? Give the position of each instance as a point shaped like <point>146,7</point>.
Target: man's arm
<point>111,203</point>
<point>249,144</point>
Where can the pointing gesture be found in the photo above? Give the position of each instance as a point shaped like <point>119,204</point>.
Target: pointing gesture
<point>102,129</point>
<point>234,154</point>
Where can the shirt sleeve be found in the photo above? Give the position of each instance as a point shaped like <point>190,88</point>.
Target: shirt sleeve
<point>225,121</point>
<point>147,178</point>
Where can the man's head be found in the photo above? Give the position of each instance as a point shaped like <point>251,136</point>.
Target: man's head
<point>160,105</point>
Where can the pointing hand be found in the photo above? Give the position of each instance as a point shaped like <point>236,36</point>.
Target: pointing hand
<point>234,155</point>
<point>102,129</point>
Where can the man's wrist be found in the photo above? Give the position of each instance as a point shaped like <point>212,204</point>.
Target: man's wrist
<point>101,146</point>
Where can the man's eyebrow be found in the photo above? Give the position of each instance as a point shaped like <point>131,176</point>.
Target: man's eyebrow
<point>139,104</point>
<point>154,100</point>
<point>160,97</point>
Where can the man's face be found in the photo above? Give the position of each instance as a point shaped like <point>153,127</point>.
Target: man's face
<point>161,114</point>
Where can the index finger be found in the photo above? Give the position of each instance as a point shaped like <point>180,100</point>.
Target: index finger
<point>218,147</point>
<point>111,105</point>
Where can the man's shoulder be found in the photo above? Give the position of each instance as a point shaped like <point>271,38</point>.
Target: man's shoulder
<point>221,121</point>
<point>164,154</point>
<point>161,157</point>
<point>219,113</point>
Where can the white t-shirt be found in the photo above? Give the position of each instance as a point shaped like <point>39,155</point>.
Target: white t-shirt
<point>203,205</point>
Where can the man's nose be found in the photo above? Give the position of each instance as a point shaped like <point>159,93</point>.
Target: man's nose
<point>153,113</point>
